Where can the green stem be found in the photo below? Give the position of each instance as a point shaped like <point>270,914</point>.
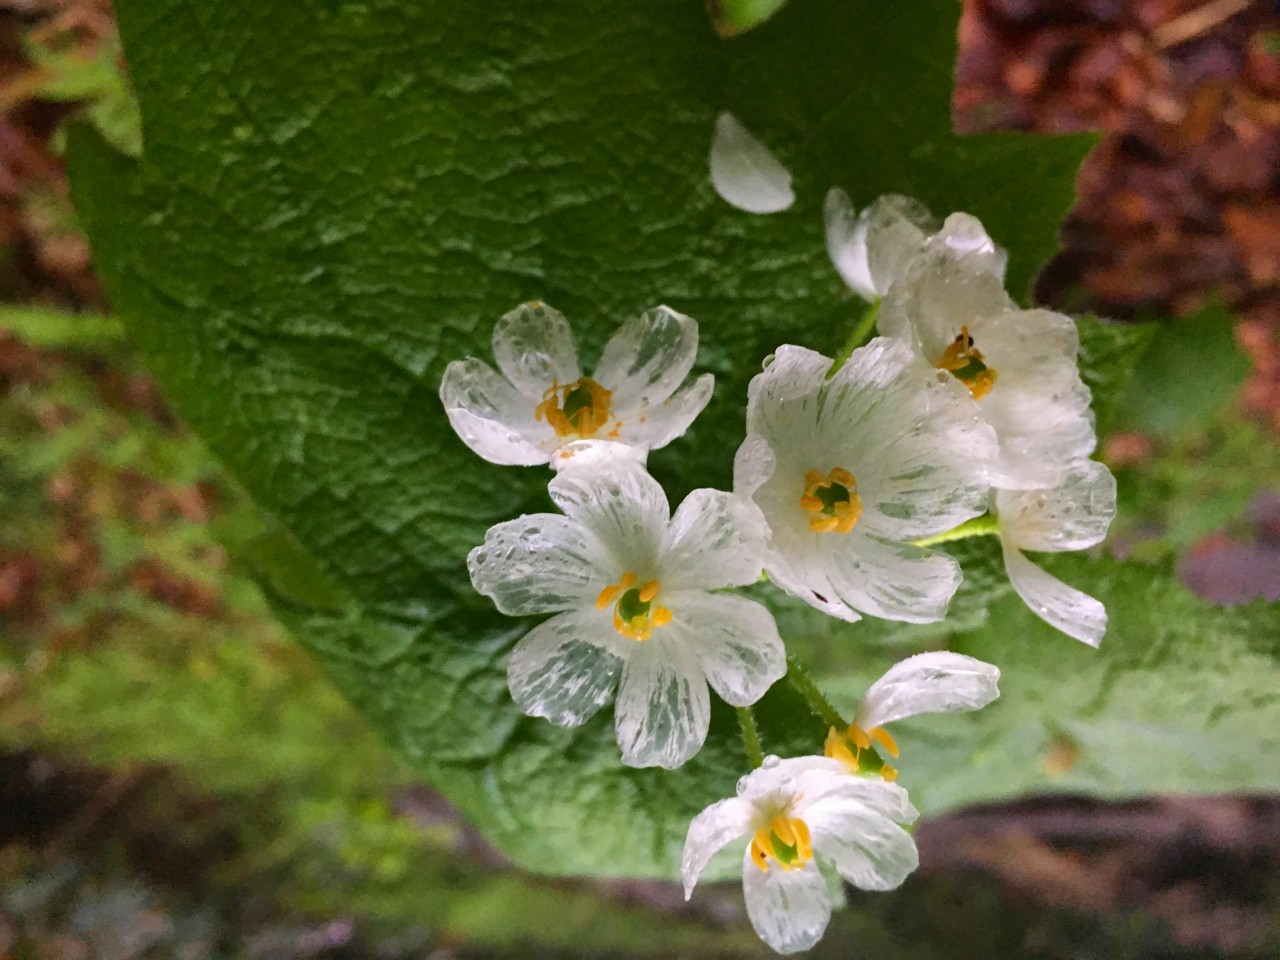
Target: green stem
<point>984,526</point>
<point>750,736</point>
<point>803,684</point>
<point>861,333</point>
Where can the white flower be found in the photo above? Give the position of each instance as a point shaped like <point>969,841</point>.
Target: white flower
<point>744,171</point>
<point>543,410</point>
<point>938,682</point>
<point>849,471</point>
<point>800,813</point>
<point>630,586</point>
<point>1073,515</point>
<point>1019,365</point>
<point>871,250</point>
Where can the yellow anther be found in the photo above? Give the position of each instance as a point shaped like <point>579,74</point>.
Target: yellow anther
<point>963,359</point>
<point>785,841</point>
<point>634,615</point>
<point>889,773</point>
<point>837,748</point>
<point>886,741</point>
<point>579,409</point>
<point>831,500</point>
<point>860,737</point>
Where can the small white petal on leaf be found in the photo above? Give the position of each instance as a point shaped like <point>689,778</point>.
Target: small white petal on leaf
<point>1073,612</point>
<point>745,172</point>
<point>937,682</point>
<point>663,708</point>
<point>789,909</point>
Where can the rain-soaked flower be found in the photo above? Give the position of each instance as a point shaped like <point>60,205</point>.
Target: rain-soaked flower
<point>938,682</point>
<point>745,172</point>
<point>850,470</point>
<point>800,814</point>
<point>1073,515</point>
<point>542,409</point>
<point>630,585</point>
<point>1019,365</point>
<point>871,249</point>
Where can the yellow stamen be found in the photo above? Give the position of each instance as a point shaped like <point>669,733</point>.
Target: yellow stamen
<point>886,741</point>
<point>966,362</point>
<point>837,748</point>
<point>785,841</point>
<point>859,737</point>
<point>831,501</point>
<point>579,409</point>
<point>889,773</point>
<point>634,615</point>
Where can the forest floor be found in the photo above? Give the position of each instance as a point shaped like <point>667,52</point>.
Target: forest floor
<point>177,780</point>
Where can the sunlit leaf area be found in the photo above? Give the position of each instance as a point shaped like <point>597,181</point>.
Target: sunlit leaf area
<point>572,480</point>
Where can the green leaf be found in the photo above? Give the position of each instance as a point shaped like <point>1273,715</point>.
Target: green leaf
<point>318,226</point>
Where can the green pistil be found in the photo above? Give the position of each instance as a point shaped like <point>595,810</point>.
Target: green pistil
<point>832,496</point>
<point>631,606</point>
<point>577,402</point>
<point>970,371</point>
<point>783,853</point>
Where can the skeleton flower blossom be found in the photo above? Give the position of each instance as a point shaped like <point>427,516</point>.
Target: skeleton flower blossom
<point>630,586</point>
<point>1073,515</point>
<point>871,249</point>
<point>800,813</point>
<point>542,409</point>
<point>1019,365</point>
<point>938,682</point>
<point>848,471</point>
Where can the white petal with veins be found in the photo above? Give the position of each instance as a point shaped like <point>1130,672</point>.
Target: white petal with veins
<point>745,172</point>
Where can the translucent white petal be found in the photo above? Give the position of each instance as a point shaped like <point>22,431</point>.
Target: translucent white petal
<point>1073,515</point>
<point>847,244</point>
<point>663,707</point>
<point>893,581</point>
<point>938,682</point>
<point>753,464</point>
<point>897,228</point>
<point>595,454</point>
<point>796,567</point>
<point>491,416</point>
<point>745,172</point>
<point>656,426</point>
<point>965,233</point>
<point>709,833</point>
<point>715,540</point>
<point>648,358</point>
<point>539,563</point>
<point>913,439</point>
<point>735,640</point>
<point>622,506</point>
<point>789,909</point>
<point>939,292</point>
<point>1074,613</point>
<point>819,784</point>
<point>535,350</point>
<point>870,850</point>
<point>791,373</point>
<point>566,668</point>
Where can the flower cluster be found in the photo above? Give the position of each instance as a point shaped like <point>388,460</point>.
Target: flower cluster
<point>965,415</point>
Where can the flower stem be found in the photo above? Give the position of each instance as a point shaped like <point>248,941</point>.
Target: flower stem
<point>856,339</point>
<point>750,736</point>
<point>984,526</point>
<point>803,684</point>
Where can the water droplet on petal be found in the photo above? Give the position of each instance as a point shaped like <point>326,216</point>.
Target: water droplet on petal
<point>770,762</point>
<point>742,784</point>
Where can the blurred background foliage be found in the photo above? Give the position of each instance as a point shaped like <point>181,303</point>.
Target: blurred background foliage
<point>177,780</point>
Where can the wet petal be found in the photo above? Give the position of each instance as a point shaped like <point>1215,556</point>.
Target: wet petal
<point>663,707</point>
<point>870,793</point>
<point>735,640</point>
<point>648,358</point>
<point>1074,613</point>
<point>1073,515</point>
<point>491,416</point>
<point>539,563</point>
<point>847,244</point>
<point>566,668</point>
<point>897,228</point>
<point>789,909</point>
<point>535,350</point>
<point>870,850</point>
<point>624,507</point>
<point>709,833</point>
<point>745,172</point>
<point>965,233</point>
<point>939,682</point>
<point>596,454</point>
<point>655,426</point>
<point>715,540</point>
<point>893,581</point>
<point>753,464</point>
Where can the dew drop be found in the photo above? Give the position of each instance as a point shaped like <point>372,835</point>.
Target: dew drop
<point>770,762</point>
<point>742,784</point>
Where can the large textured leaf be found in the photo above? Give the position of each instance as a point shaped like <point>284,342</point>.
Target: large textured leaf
<point>335,199</point>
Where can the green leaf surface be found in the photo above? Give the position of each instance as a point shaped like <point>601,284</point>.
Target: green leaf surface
<point>317,227</point>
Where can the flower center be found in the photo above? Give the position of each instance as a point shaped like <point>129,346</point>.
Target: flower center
<point>577,409</point>
<point>831,501</point>
<point>634,613</point>
<point>965,363</point>
<point>785,841</point>
<point>837,747</point>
